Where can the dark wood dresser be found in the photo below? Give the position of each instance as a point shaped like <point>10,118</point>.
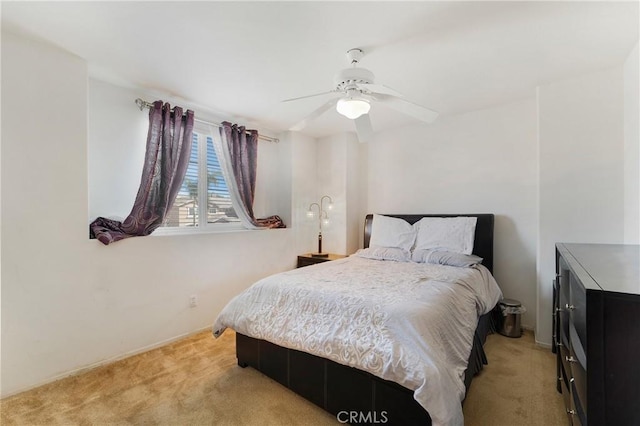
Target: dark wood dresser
<point>597,332</point>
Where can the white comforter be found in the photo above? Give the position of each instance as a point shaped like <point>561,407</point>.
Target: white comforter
<point>410,323</point>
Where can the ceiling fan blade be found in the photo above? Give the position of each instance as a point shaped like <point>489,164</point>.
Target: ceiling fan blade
<point>409,108</point>
<point>363,128</point>
<point>315,114</point>
<point>379,89</point>
<point>310,96</point>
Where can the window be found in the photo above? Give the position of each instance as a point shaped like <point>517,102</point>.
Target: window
<point>203,185</point>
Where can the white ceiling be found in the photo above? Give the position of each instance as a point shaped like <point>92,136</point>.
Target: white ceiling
<point>243,58</point>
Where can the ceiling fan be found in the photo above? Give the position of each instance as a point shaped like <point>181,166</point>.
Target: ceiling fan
<point>357,91</point>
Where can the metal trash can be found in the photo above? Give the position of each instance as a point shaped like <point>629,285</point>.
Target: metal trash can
<point>511,312</point>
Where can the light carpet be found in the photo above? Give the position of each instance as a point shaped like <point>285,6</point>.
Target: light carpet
<point>196,381</point>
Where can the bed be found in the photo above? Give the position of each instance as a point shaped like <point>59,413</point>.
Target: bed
<point>377,368</point>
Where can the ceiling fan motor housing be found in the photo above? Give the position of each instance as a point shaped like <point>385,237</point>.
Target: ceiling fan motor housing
<point>352,76</point>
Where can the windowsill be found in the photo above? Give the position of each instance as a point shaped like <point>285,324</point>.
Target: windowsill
<point>164,232</point>
<point>235,228</point>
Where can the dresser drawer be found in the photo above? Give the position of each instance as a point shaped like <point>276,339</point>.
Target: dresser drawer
<point>302,262</point>
<point>309,259</point>
<point>566,395</point>
<point>578,361</point>
<point>578,416</point>
<point>565,355</point>
<point>564,381</point>
<point>578,308</point>
<point>563,313</point>
<point>563,327</point>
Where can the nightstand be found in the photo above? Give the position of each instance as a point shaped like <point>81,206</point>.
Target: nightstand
<point>307,259</point>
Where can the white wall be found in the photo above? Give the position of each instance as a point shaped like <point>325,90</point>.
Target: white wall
<point>480,162</point>
<point>117,135</point>
<point>357,206</point>
<point>632,148</point>
<point>581,168</point>
<point>69,302</point>
<point>332,181</point>
<point>44,159</point>
<point>338,176</point>
<point>304,184</point>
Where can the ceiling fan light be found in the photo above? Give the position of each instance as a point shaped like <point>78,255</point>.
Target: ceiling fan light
<point>352,108</point>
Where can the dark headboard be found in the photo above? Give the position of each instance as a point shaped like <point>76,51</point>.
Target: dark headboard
<point>482,244</point>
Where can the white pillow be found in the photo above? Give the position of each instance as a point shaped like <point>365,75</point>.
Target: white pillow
<point>384,253</point>
<point>391,232</point>
<point>453,234</point>
<point>445,258</point>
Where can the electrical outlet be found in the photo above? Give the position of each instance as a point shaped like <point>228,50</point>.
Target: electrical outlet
<point>193,301</point>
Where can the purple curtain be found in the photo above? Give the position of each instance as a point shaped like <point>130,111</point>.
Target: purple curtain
<point>243,153</point>
<point>165,164</point>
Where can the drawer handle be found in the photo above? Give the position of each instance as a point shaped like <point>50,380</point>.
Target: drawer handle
<point>569,307</point>
<point>572,412</point>
<point>557,310</point>
<point>559,344</point>
<point>570,359</point>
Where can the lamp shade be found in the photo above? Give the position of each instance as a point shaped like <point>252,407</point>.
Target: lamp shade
<point>352,108</point>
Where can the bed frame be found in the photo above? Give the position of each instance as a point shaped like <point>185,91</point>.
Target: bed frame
<point>347,391</point>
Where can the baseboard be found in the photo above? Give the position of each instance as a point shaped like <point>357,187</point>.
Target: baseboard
<point>543,345</point>
<point>538,343</point>
<point>107,361</point>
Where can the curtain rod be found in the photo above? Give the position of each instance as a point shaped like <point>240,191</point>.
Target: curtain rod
<point>144,104</point>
